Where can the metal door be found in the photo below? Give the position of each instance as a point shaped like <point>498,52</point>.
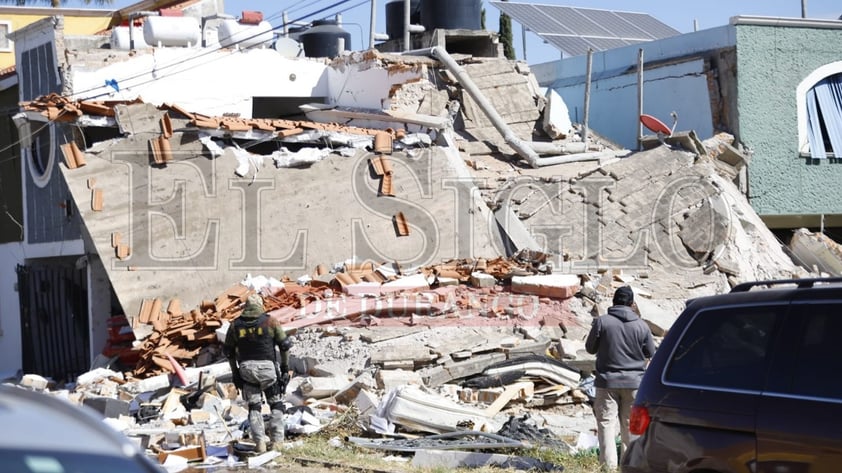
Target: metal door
<point>54,320</point>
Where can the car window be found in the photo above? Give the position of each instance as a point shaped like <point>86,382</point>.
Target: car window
<point>40,461</point>
<point>725,348</point>
<point>819,346</point>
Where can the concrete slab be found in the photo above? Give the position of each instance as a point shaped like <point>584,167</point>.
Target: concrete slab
<point>560,286</point>
<point>194,228</point>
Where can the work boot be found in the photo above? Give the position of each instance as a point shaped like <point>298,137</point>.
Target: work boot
<point>260,446</point>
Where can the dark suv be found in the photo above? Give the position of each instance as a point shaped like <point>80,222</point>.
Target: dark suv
<point>746,382</point>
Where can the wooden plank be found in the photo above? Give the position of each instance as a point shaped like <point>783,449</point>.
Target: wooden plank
<point>512,391</point>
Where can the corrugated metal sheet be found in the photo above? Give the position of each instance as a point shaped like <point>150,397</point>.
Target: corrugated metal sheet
<point>54,320</point>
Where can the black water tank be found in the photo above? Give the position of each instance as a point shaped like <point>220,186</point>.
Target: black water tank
<point>451,14</point>
<point>394,17</point>
<point>322,39</point>
<point>296,31</point>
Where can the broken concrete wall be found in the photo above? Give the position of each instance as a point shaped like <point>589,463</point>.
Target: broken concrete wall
<point>513,92</point>
<point>193,78</point>
<point>363,80</point>
<point>681,87</point>
<point>191,226</point>
<point>660,213</point>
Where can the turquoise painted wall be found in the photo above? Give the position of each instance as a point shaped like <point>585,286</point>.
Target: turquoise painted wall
<point>771,62</point>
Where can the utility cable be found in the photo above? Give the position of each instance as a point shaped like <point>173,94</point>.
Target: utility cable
<point>201,55</point>
<point>47,123</point>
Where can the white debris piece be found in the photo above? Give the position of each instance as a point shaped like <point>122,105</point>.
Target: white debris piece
<point>260,282</point>
<point>557,122</point>
<point>97,375</point>
<point>211,145</point>
<point>415,139</point>
<point>246,161</point>
<point>285,158</point>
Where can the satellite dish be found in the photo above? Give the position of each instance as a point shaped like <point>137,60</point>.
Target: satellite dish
<point>655,125</point>
<point>288,47</point>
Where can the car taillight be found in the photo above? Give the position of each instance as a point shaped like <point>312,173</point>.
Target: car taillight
<point>639,420</point>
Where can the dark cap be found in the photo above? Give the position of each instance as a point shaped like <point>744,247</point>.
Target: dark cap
<point>624,296</point>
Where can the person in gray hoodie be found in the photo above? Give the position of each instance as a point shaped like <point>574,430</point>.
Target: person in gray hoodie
<point>622,343</point>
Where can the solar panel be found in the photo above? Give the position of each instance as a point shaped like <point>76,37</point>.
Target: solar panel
<point>577,22</point>
<point>574,30</point>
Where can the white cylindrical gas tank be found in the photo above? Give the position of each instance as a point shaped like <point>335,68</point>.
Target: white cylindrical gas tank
<point>171,31</point>
<point>120,38</point>
<point>234,33</point>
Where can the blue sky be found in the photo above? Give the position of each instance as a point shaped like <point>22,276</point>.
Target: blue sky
<point>680,14</point>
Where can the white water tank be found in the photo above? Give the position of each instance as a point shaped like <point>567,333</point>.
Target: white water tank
<point>234,33</point>
<point>172,31</point>
<point>120,38</point>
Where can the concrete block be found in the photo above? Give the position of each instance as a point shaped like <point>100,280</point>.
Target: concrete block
<point>332,368</point>
<point>107,407</point>
<point>416,282</point>
<point>658,319</point>
<point>482,280</point>
<point>366,402</point>
<point>443,281</point>
<point>557,122</point>
<point>199,416</point>
<point>237,413</point>
<point>351,391</point>
<point>33,381</point>
<point>452,459</point>
<point>211,404</point>
<point>420,354</point>
<point>322,387</point>
<point>559,286</point>
<point>388,379</point>
<point>361,289</point>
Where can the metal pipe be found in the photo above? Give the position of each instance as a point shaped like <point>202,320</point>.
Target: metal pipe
<point>406,7</point>
<point>520,146</point>
<point>639,98</point>
<point>575,158</point>
<point>285,18</point>
<point>587,97</point>
<point>373,24</point>
<point>803,8</point>
<point>542,147</point>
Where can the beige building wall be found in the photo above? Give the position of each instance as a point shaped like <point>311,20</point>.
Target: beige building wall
<point>76,22</point>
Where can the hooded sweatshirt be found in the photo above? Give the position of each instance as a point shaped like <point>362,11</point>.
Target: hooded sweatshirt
<point>622,342</point>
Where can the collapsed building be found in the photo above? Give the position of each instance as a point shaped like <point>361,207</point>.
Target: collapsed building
<point>436,202</point>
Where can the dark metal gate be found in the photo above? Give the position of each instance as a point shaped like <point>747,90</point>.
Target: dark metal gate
<point>54,320</point>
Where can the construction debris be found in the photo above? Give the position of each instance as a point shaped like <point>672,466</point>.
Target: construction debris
<point>476,351</point>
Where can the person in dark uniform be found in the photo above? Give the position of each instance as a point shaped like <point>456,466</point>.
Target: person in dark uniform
<point>250,348</point>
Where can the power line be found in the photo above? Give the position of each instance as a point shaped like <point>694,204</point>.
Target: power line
<point>199,56</point>
<point>47,123</point>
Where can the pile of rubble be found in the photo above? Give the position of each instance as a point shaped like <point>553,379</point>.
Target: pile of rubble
<point>406,370</point>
